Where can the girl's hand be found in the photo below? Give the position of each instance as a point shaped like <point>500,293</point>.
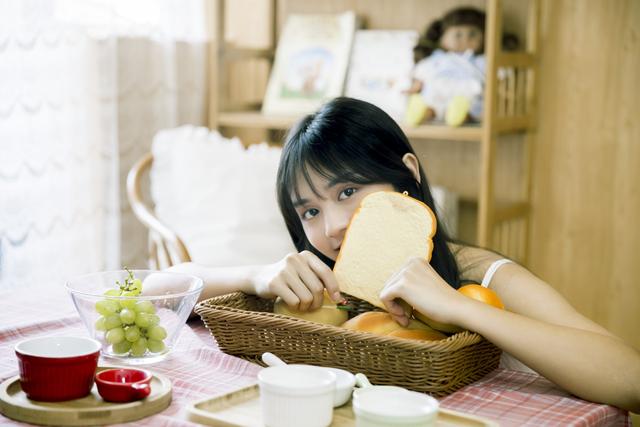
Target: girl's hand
<point>419,284</point>
<point>163,284</point>
<point>299,279</point>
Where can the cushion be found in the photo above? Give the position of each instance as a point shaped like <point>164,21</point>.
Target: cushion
<point>219,197</point>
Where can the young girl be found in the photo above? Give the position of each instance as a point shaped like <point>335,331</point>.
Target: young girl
<point>348,149</point>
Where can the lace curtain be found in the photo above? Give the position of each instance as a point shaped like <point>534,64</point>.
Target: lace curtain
<point>84,86</point>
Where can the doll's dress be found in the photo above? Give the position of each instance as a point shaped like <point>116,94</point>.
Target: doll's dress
<point>446,75</point>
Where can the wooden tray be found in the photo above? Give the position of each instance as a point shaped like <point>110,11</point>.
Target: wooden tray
<point>87,411</point>
<point>241,408</point>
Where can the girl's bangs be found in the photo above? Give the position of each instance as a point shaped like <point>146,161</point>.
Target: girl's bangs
<point>331,165</point>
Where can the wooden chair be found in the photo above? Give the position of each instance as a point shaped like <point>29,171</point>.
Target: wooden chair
<point>165,246</point>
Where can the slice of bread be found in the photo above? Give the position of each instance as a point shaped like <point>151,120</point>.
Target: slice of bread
<point>386,231</point>
<point>328,313</point>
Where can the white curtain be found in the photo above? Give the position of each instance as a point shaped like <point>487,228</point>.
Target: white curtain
<point>84,85</point>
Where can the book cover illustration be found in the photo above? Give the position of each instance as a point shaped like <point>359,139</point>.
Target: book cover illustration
<point>311,62</point>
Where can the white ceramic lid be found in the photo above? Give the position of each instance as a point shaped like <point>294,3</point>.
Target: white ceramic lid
<point>297,380</point>
<point>391,404</point>
<point>58,347</point>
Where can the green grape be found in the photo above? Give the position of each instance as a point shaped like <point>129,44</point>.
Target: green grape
<point>112,321</point>
<point>142,320</point>
<point>156,333</point>
<point>146,320</point>
<point>107,307</point>
<point>139,347</point>
<point>154,319</point>
<point>136,285</point>
<point>115,335</point>
<point>127,316</point>
<point>132,333</point>
<point>100,324</point>
<point>128,303</point>
<point>131,325</point>
<point>122,347</point>
<point>145,307</point>
<point>155,346</point>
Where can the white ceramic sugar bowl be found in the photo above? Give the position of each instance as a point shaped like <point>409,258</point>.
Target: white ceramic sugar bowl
<point>295,395</point>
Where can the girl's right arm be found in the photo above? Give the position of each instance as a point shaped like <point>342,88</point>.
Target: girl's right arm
<point>299,279</point>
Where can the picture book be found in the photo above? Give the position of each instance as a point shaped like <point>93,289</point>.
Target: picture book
<point>311,62</point>
<point>380,69</point>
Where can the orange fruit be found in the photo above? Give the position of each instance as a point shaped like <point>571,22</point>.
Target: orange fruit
<point>483,294</point>
<point>474,291</point>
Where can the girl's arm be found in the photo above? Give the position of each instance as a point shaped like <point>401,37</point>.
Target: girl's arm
<point>299,279</point>
<point>538,327</point>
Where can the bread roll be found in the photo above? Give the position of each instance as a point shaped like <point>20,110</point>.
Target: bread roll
<point>439,326</point>
<point>386,231</point>
<point>328,313</point>
<point>417,334</point>
<point>382,323</point>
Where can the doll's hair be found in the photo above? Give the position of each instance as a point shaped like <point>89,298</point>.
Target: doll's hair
<point>349,140</point>
<point>430,41</point>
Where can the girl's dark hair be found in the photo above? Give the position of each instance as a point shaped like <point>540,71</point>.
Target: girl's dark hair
<point>430,41</point>
<point>353,141</point>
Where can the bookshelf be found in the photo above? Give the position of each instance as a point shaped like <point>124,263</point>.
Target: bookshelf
<point>495,218</point>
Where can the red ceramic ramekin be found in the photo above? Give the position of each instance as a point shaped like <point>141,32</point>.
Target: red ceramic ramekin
<point>53,369</point>
<point>123,385</point>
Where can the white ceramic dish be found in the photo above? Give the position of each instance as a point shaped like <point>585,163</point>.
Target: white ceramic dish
<point>382,406</point>
<point>345,380</point>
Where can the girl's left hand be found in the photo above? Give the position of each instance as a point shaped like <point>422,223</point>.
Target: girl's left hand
<point>419,284</point>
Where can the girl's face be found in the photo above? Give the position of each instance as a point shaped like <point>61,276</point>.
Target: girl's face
<point>325,217</point>
<point>460,38</point>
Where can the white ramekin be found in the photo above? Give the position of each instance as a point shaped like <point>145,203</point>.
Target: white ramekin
<point>295,395</point>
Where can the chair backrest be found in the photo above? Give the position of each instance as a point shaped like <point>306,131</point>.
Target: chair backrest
<point>165,247</point>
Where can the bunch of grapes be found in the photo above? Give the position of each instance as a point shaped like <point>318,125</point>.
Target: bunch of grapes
<point>130,326</point>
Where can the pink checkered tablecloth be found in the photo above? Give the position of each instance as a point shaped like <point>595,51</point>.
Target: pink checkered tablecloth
<point>198,369</point>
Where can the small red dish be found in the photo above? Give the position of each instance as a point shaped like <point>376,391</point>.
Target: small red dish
<point>123,385</point>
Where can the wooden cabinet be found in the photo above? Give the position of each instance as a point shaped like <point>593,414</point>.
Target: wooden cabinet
<point>495,205</point>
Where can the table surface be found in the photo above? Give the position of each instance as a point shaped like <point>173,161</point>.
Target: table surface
<point>198,369</point>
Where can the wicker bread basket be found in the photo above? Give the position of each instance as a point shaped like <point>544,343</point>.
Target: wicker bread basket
<point>244,326</point>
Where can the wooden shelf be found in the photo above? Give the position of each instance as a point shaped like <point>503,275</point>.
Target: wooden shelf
<point>509,104</point>
<point>255,119</point>
<point>463,133</point>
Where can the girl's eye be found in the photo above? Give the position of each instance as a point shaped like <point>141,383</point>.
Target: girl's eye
<point>346,193</point>
<point>310,213</point>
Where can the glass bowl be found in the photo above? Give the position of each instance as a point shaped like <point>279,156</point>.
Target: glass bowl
<point>135,326</point>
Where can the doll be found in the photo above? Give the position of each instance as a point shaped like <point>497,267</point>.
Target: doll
<point>449,75</point>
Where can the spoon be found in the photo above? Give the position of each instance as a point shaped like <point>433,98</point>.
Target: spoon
<point>271,359</point>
